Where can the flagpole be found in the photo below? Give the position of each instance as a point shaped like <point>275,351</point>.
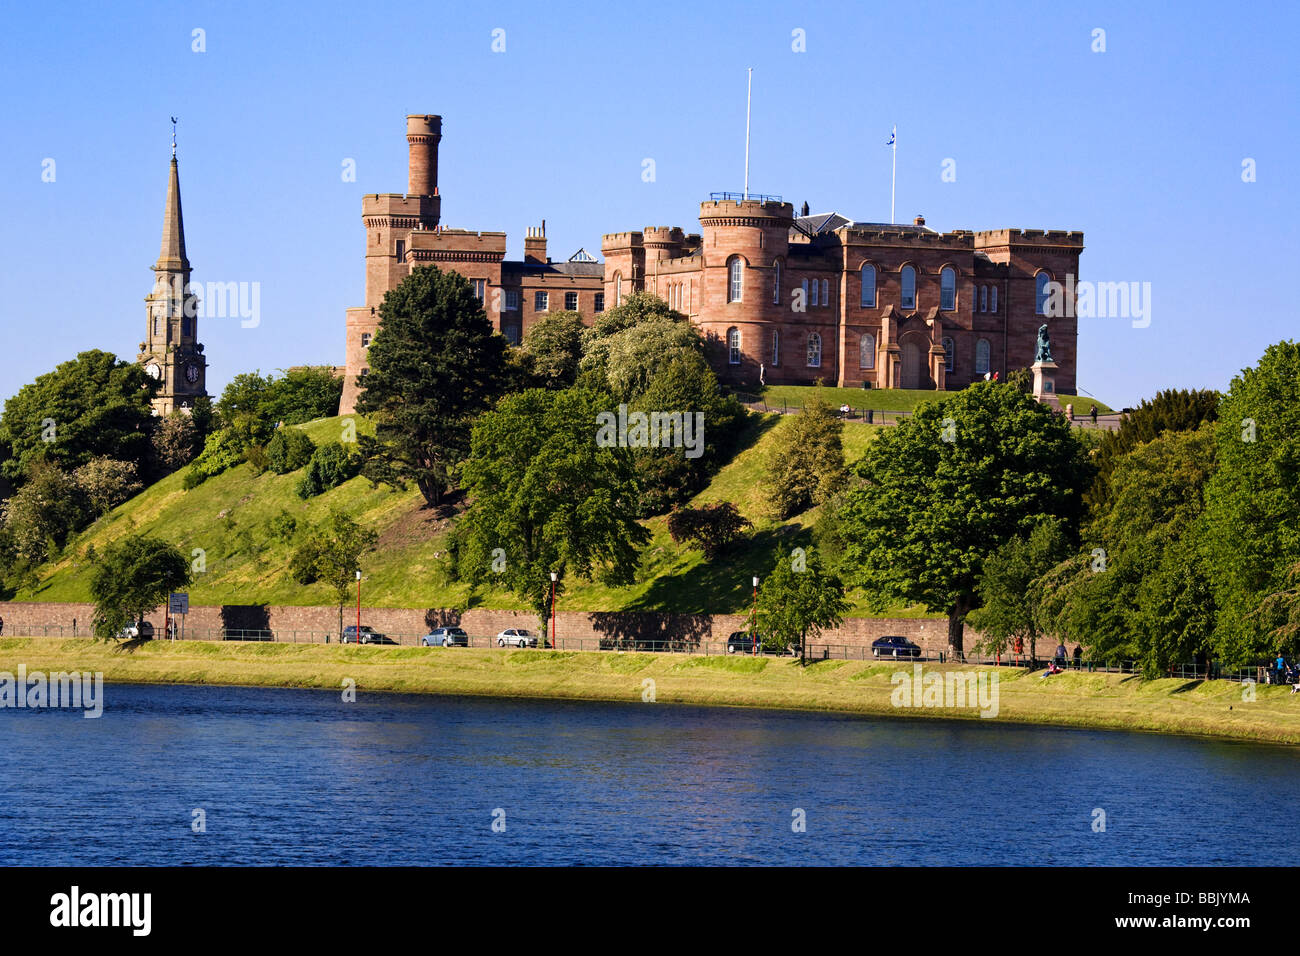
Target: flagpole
<point>749,93</point>
<point>893,180</point>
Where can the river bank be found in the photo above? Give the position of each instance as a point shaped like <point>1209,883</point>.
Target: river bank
<point>1104,701</point>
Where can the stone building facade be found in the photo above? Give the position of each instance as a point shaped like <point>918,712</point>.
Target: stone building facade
<point>785,298</point>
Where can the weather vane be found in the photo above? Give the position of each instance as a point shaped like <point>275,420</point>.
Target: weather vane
<point>173,136</point>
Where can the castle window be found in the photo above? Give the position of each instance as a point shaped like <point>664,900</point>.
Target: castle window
<point>512,301</point>
<point>480,287</point>
<point>982,357</point>
<point>540,301</point>
<point>1040,292</point>
<point>401,250</point>
<point>984,298</point>
<point>571,301</point>
<point>733,346</point>
<point>735,279</point>
<point>511,330</point>
<point>776,284</point>
<point>365,372</point>
<point>868,300</point>
<point>947,288</point>
<point>993,299</point>
<point>600,302</point>
<point>867,351</point>
<point>814,300</point>
<point>908,299</point>
<point>949,353</point>
<point>814,351</point>
<point>826,291</point>
<point>618,288</point>
<point>365,340</point>
<point>776,347</point>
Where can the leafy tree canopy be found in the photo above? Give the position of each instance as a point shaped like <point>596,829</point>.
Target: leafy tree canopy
<point>131,577</point>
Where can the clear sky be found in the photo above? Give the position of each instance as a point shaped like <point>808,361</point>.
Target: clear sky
<point>1141,147</point>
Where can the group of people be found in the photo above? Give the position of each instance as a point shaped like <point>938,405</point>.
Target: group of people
<point>1280,672</point>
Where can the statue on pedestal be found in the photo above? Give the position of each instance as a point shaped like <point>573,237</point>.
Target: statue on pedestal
<point>1044,352</point>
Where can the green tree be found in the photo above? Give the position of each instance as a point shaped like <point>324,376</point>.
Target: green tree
<point>131,577</point>
<point>546,498</point>
<point>1008,591</point>
<point>1252,508</point>
<point>637,308</point>
<point>91,406</point>
<point>713,528</point>
<point>332,554</point>
<point>435,364</point>
<point>289,450</point>
<point>302,395</point>
<point>107,482</point>
<point>242,410</point>
<point>555,345</point>
<point>44,513</point>
<point>331,464</point>
<point>798,599</point>
<point>175,442</point>
<point>945,488</point>
<point>806,464</point>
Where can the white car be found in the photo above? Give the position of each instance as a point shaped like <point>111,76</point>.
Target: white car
<point>516,637</point>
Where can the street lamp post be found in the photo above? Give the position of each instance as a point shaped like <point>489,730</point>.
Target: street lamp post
<point>358,634</point>
<point>554,578</point>
<point>753,626</point>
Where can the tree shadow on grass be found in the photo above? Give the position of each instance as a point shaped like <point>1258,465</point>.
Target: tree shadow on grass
<point>650,631</point>
<point>1190,685</point>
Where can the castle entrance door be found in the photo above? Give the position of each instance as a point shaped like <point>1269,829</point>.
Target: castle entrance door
<point>911,365</point>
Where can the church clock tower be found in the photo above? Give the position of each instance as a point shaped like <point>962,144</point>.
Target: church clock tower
<point>171,351</point>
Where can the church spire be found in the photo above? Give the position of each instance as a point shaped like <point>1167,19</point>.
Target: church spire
<point>172,258</point>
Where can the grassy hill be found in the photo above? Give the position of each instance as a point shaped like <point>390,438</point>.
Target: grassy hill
<point>228,518</point>
<point>885,399</point>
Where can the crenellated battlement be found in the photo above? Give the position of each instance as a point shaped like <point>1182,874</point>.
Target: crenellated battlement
<point>1030,237</point>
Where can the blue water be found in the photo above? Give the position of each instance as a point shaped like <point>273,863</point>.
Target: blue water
<point>299,777</point>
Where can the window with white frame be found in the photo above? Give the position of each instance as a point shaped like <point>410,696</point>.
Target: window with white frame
<point>541,301</point>
<point>947,288</point>
<point>735,279</point>
<point>733,346</point>
<point>512,301</point>
<point>814,350</point>
<point>365,340</point>
<point>908,279</point>
<point>480,288</point>
<point>949,353</point>
<point>618,287</point>
<point>868,273</point>
<point>1040,293</point>
<point>815,286</point>
<point>571,301</point>
<point>982,357</point>
<point>599,305</point>
<point>867,351</point>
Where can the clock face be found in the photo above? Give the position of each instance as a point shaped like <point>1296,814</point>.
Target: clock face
<point>153,369</point>
<point>191,373</point>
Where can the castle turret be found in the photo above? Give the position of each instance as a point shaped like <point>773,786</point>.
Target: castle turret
<point>423,133</point>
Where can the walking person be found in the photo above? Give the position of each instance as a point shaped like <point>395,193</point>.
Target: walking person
<point>1092,413</point>
<point>2,625</point>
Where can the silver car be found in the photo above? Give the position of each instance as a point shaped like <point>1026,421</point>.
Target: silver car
<point>516,637</point>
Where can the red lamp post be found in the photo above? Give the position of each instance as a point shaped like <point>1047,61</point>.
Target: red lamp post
<point>357,636</point>
<point>753,625</point>
<point>554,578</point>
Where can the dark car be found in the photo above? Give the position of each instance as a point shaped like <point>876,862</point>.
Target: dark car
<point>368,635</point>
<point>894,646</point>
<point>741,642</point>
<point>446,637</point>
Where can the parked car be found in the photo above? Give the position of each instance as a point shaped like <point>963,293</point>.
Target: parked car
<point>516,637</point>
<point>446,637</point>
<point>141,630</point>
<point>368,635</point>
<point>894,646</point>
<point>741,642</point>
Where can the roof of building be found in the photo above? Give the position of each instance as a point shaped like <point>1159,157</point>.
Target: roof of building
<point>563,268</point>
<point>820,223</point>
<point>582,255</point>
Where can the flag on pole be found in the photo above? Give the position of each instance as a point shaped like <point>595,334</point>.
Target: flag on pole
<point>892,136</point>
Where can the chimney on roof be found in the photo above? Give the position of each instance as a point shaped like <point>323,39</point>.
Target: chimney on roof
<point>535,244</point>
<point>919,220</point>
<point>804,210</point>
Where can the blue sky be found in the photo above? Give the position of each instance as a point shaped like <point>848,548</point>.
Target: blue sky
<point>1140,147</point>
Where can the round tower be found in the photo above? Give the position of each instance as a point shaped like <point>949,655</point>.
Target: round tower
<point>423,134</point>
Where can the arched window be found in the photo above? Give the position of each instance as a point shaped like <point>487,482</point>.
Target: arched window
<point>993,299</point>
<point>908,298</point>
<point>984,298</point>
<point>814,351</point>
<point>949,353</point>
<point>868,299</point>
<point>813,300</point>
<point>776,283</point>
<point>735,278</point>
<point>982,357</point>
<point>733,345</point>
<point>948,288</point>
<point>1040,292</point>
<point>618,287</point>
<point>776,348</point>
<point>826,291</point>
<point>867,351</point>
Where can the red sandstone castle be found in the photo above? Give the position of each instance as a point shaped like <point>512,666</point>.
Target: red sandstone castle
<point>787,299</point>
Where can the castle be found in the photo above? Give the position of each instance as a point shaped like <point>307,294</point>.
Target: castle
<point>785,298</point>
<point>171,351</point>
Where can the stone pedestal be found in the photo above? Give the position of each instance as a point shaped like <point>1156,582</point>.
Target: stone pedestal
<point>1045,382</point>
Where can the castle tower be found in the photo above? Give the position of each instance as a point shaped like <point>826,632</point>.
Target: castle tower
<point>171,351</point>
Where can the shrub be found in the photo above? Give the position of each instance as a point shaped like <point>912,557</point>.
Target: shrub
<point>806,466</point>
<point>331,465</point>
<point>221,451</point>
<point>107,482</point>
<point>282,526</point>
<point>712,527</point>
<point>289,450</point>
<point>255,455</point>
